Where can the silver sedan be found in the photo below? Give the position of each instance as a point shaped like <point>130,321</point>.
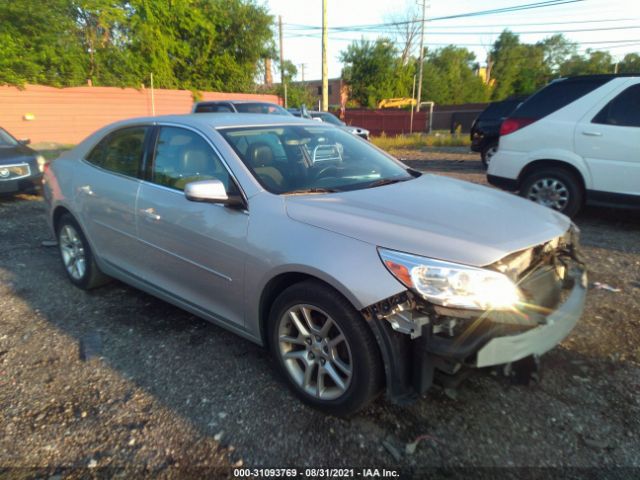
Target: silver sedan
<point>357,272</point>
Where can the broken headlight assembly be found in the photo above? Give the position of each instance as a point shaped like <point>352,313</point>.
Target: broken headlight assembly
<point>451,284</point>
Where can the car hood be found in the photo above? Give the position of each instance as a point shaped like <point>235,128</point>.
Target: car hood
<point>352,129</point>
<point>433,216</point>
<point>17,153</point>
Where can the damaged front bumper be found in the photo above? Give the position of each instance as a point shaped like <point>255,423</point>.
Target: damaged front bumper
<point>421,342</point>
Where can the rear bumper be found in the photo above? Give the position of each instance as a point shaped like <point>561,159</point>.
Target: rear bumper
<point>510,184</point>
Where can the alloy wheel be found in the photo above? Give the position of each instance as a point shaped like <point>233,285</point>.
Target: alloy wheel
<point>315,352</point>
<point>72,250</point>
<point>549,192</point>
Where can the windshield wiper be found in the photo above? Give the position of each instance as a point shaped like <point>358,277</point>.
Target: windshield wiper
<point>311,190</point>
<point>386,181</point>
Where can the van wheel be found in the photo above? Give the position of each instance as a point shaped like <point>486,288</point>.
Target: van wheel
<point>554,188</point>
<point>487,154</point>
<point>324,348</point>
<point>76,255</point>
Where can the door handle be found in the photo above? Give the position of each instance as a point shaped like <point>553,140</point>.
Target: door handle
<point>151,215</point>
<point>591,134</point>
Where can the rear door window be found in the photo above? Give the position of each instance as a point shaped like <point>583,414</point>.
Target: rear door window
<point>557,95</point>
<point>121,151</point>
<point>622,111</point>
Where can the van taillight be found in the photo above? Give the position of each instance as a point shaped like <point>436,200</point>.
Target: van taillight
<point>510,125</point>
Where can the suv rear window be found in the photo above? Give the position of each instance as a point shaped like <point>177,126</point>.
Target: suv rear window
<point>498,110</point>
<point>557,95</point>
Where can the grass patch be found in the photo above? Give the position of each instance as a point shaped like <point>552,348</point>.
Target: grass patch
<point>420,140</point>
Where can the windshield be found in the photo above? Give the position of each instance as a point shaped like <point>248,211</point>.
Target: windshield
<point>269,108</point>
<point>328,118</point>
<point>7,140</point>
<point>312,159</point>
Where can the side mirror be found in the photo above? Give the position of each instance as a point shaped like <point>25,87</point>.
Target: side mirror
<point>24,141</point>
<point>210,191</point>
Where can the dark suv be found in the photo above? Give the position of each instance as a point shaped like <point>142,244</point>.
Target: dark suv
<point>485,130</point>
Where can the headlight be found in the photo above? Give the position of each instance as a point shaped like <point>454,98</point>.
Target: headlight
<point>452,284</point>
<point>41,162</point>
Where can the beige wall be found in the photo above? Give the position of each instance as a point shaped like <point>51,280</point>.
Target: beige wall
<point>68,115</point>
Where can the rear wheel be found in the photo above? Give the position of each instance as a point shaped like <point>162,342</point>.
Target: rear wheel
<point>487,154</point>
<point>554,188</point>
<point>76,255</point>
<point>324,349</point>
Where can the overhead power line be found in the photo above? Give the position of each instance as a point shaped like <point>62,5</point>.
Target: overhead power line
<point>494,11</point>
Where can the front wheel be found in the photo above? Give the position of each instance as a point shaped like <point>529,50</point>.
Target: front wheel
<point>554,188</point>
<point>77,257</point>
<point>325,349</point>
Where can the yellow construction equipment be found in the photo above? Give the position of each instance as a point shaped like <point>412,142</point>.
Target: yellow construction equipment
<point>397,102</point>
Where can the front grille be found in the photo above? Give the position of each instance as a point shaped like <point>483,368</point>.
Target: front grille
<point>14,172</point>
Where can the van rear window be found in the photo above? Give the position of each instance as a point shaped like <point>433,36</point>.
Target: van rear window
<point>557,95</point>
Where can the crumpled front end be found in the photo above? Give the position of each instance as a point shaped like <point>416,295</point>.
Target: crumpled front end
<point>421,340</point>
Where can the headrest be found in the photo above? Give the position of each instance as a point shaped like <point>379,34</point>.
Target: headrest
<point>260,155</point>
<point>180,140</point>
<point>195,161</point>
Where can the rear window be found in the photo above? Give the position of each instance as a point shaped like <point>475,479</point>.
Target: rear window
<point>213,108</point>
<point>498,110</point>
<point>557,95</point>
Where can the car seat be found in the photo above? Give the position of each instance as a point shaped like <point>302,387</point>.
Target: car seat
<point>260,158</point>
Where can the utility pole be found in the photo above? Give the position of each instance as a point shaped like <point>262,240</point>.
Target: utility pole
<point>424,7</point>
<point>282,79</point>
<point>302,68</point>
<point>325,79</point>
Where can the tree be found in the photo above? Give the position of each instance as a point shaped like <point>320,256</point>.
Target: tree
<point>557,50</point>
<point>297,93</point>
<point>406,30</point>
<point>449,77</point>
<point>190,44</point>
<point>373,71</point>
<point>595,61</point>
<point>630,63</point>
<point>518,68</point>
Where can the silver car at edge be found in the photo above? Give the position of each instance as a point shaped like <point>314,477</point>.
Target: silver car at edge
<point>360,274</point>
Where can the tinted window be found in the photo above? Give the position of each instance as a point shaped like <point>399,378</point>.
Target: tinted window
<point>499,109</point>
<point>624,110</point>
<point>213,107</point>
<point>269,108</point>
<point>121,151</point>
<point>557,95</point>
<point>183,156</point>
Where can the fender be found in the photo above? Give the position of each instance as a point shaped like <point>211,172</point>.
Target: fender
<point>562,156</point>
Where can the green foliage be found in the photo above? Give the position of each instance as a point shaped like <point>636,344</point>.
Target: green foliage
<point>630,63</point>
<point>449,77</point>
<point>519,68</point>
<point>188,44</point>
<point>374,71</point>
<point>297,94</point>
<point>595,61</point>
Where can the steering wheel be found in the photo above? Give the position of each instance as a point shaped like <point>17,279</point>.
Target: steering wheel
<point>326,171</point>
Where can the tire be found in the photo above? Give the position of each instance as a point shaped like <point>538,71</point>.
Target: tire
<point>487,153</point>
<point>348,392</point>
<point>556,188</point>
<point>76,255</point>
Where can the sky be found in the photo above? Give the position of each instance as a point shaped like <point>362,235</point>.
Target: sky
<point>608,21</point>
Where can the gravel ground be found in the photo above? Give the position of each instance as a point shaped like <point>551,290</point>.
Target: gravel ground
<point>120,383</point>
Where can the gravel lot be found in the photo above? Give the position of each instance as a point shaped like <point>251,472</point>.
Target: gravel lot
<point>118,382</point>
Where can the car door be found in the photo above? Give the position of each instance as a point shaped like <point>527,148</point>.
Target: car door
<point>106,192</point>
<point>193,251</point>
<point>608,138</point>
